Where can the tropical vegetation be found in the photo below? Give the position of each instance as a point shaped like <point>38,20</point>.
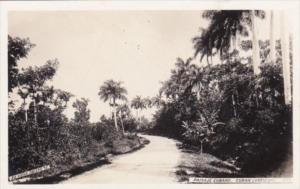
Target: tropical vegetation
<point>237,110</point>
<point>40,133</point>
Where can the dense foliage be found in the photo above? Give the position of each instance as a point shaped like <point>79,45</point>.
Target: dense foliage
<point>235,114</point>
<point>39,132</point>
<point>226,107</point>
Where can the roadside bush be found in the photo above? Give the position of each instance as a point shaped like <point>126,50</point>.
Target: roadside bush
<point>144,124</point>
<point>130,124</point>
<point>29,142</point>
<point>168,119</point>
<point>104,131</point>
<point>267,141</point>
<point>42,135</point>
<point>22,152</point>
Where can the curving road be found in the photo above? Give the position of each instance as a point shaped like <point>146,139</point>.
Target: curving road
<point>155,163</point>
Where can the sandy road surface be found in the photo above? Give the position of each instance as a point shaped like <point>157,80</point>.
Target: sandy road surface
<point>155,164</point>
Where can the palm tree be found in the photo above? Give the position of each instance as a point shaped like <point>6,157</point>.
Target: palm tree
<point>157,101</point>
<point>24,94</point>
<point>138,104</point>
<point>222,32</point>
<point>284,43</point>
<point>123,111</point>
<point>272,40</point>
<point>285,58</point>
<point>224,27</point>
<point>203,46</point>
<point>112,91</point>
<point>147,101</point>
<point>180,76</point>
<point>255,46</point>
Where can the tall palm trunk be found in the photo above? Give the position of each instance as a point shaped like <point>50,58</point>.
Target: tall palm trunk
<point>122,125</point>
<point>234,105</point>
<point>273,57</point>
<point>139,118</point>
<point>34,109</point>
<point>255,46</point>
<point>272,40</point>
<point>115,114</point>
<point>201,147</point>
<point>233,47</point>
<point>285,59</point>
<point>25,109</point>
<point>35,120</point>
<point>207,60</point>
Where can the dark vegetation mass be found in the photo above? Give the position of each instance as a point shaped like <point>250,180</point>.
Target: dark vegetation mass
<point>226,109</point>
<point>252,128</point>
<point>39,132</point>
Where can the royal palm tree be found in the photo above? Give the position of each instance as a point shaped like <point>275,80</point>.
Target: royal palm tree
<point>284,35</point>
<point>147,101</point>
<point>272,40</point>
<point>203,45</point>
<point>24,94</point>
<point>224,27</point>
<point>123,111</point>
<point>220,36</point>
<point>157,101</point>
<point>138,104</point>
<point>284,43</point>
<point>112,91</point>
<point>180,77</point>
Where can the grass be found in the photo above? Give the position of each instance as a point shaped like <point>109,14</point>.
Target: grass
<point>194,164</point>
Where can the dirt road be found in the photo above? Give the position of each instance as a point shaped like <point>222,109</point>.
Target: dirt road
<point>155,164</point>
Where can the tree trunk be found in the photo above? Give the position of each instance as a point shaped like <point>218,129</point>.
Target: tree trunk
<point>255,47</point>
<point>48,132</point>
<point>121,119</point>
<point>35,122</point>
<point>285,59</point>
<point>26,119</point>
<point>115,120</point>
<point>272,40</point>
<point>137,118</point>
<point>256,98</point>
<point>237,41</point>
<point>25,109</point>
<point>207,61</point>
<point>232,44</point>
<point>26,116</point>
<point>201,147</point>
<point>34,111</point>
<point>140,117</point>
<point>234,105</point>
<point>115,115</point>
<point>237,101</point>
<point>233,47</point>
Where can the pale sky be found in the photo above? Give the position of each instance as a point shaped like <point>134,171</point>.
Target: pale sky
<point>136,47</point>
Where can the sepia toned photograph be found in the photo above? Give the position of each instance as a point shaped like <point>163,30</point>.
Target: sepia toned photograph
<point>202,96</point>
